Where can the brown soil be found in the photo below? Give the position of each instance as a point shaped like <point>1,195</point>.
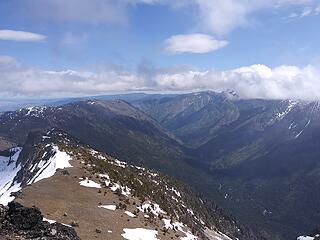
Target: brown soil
<point>4,144</point>
<point>61,198</point>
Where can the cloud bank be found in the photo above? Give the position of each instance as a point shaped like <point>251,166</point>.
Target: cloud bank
<point>20,36</point>
<point>193,43</point>
<point>256,81</point>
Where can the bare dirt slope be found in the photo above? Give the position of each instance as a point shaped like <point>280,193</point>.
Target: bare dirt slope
<point>61,198</point>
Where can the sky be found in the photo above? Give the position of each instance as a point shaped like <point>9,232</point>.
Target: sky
<point>260,49</point>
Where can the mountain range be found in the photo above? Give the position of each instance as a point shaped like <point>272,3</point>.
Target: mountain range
<point>257,159</point>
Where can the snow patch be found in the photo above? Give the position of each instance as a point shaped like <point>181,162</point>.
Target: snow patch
<point>139,234</point>
<point>126,191</point>
<point>49,221</point>
<point>35,111</point>
<point>168,224</point>
<point>291,104</point>
<point>152,208</point>
<point>305,238</point>
<point>130,214</point>
<point>89,183</point>
<point>109,207</point>
<point>189,236</point>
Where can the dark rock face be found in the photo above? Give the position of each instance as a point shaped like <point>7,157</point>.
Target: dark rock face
<point>19,222</point>
<point>24,218</point>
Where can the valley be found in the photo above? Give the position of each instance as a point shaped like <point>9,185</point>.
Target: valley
<point>256,159</point>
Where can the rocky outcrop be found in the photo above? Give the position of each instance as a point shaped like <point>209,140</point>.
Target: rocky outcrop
<point>19,222</point>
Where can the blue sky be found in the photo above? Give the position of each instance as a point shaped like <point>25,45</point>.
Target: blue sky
<point>159,45</point>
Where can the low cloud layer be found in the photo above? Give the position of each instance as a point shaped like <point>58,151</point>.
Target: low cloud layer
<point>21,36</point>
<point>193,43</point>
<point>256,81</point>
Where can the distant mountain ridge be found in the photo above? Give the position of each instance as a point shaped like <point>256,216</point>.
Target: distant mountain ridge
<point>256,158</point>
<point>255,149</point>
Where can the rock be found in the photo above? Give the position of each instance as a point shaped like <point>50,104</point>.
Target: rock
<point>74,224</point>
<point>98,230</point>
<point>19,222</point>
<point>24,218</point>
<point>53,231</point>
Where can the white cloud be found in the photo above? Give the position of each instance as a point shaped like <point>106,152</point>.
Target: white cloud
<point>256,81</point>
<point>21,36</point>
<point>216,16</point>
<point>223,16</point>
<point>193,43</point>
<point>306,12</point>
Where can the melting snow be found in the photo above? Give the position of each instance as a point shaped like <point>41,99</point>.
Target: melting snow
<point>176,192</point>
<point>8,170</point>
<point>168,224</point>
<point>124,190</point>
<point>48,168</point>
<point>109,207</point>
<point>292,126</point>
<point>130,214</point>
<point>189,236</point>
<point>105,176</point>
<point>139,234</point>
<point>153,208</point>
<point>298,135</point>
<point>45,169</point>
<point>211,234</point>
<point>49,221</point>
<point>89,183</point>
<point>305,238</point>
<point>120,164</point>
<point>290,106</point>
<point>35,111</point>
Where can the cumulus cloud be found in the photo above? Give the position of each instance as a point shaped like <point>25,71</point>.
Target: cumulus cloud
<point>21,36</point>
<point>193,43</point>
<point>256,81</point>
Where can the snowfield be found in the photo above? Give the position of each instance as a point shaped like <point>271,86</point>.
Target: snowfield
<point>43,169</point>
<point>46,169</point>
<point>139,234</point>
<point>8,170</point>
